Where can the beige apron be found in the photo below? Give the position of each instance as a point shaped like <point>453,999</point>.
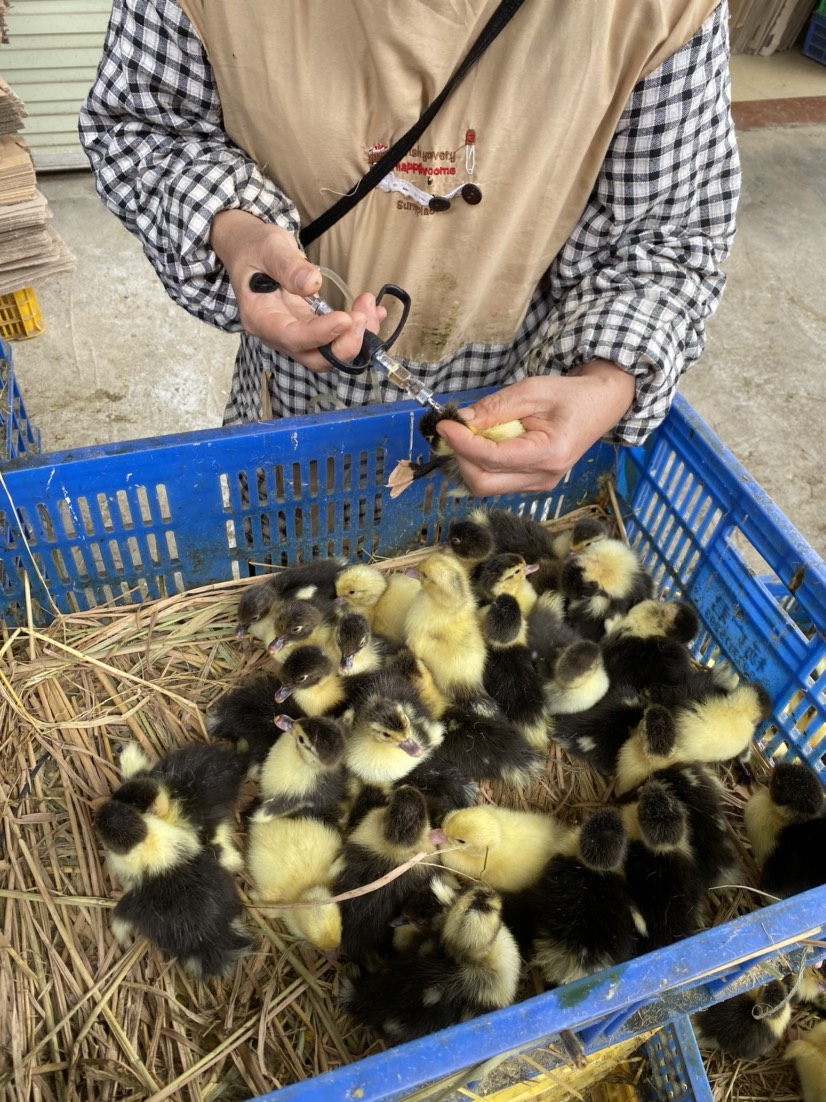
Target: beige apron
<point>311,90</point>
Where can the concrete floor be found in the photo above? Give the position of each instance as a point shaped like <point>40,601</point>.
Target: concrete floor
<point>119,361</point>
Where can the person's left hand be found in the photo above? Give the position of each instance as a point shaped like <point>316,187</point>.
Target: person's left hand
<point>563,416</point>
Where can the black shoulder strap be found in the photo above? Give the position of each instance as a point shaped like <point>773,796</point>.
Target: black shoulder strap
<point>320,225</point>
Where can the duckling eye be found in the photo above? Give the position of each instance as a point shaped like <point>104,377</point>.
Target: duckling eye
<point>456,540</point>
<point>295,630</point>
<point>300,680</point>
<point>302,741</point>
<point>460,841</point>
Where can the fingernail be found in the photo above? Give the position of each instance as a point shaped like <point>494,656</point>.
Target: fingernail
<point>467,414</point>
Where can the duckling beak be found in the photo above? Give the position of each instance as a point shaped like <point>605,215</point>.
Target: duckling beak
<point>332,954</point>
<point>411,747</point>
<point>399,920</point>
<point>276,645</point>
<point>340,602</point>
<point>531,567</point>
<point>240,631</point>
<point>412,572</point>
<point>283,693</point>
<point>438,837</point>
<point>346,663</point>
<point>284,723</point>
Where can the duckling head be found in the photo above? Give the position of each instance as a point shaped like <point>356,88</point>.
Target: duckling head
<point>586,531</point>
<point>293,622</point>
<point>405,820</point>
<point>443,578</point>
<point>389,721</point>
<point>504,624</point>
<point>361,585</point>
<point>317,738</point>
<point>254,605</point>
<point>352,636</point>
<point>503,573</point>
<point>120,825</point>
<point>662,818</point>
<point>469,540</point>
<point>796,790</point>
<point>603,842</point>
<point>473,920</point>
<point>306,666</point>
<point>472,830</point>
<point>652,619</point>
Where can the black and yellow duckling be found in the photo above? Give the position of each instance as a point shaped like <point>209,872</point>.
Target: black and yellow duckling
<point>511,677</point>
<point>808,1054</point>
<point>747,1025</point>
<point>313,581</point>
<point>381,597</point>
<point>245,717</point>
<point>312,681</point>
<point>602,582</point>
<point>303,773</point>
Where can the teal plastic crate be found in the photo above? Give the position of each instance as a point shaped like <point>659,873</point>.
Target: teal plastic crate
<point>18,436</point>
<point>147,518</point>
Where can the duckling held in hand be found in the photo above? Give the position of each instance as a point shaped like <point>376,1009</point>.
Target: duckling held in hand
<point>586,917</point>
<point>178,894</point>
<point>442,628</point>
<point>472,969</point>
<point>443,458</point>
<point>731,1025</point>
<point>504,848</point>
<point>786,826</point>
<point>808,1053</point>
<point>381,597</point>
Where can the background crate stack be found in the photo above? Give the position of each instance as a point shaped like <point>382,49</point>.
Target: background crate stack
<point>814,45</point>
<point>18,436</point>
<point>137,521</point>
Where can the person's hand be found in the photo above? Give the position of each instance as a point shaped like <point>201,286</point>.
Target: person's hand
<point>281,319</point>
<point>563,416</point>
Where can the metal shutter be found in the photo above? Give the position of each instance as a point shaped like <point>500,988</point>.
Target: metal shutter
<point>50,61</point>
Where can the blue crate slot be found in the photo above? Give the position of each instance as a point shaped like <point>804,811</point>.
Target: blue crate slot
<point>148,518</point>
<point>677,1070</point>
<point>18,437</point>
<point>814,44</point>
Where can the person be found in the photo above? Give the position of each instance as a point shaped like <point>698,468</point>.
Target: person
<point>585,177</point>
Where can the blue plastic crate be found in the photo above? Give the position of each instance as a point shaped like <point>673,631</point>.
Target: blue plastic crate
<point>148,518</point>
<point>18,437</point>
<point>814,44</point>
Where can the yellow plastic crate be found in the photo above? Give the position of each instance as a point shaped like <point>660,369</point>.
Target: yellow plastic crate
<point>20,315</point>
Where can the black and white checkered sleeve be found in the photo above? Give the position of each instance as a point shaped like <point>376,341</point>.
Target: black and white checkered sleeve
<point>152,130</point>
<point>640,275</point>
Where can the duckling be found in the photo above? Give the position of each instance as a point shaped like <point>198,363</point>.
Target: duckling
<point>443,458</point>
<point>510,676</point>
<point>441,626</point>
<point>480,740</point>
<point>309,676</point>
<point>382,598</point>
<point>700,793</point>
<point>585,531</point>
<point>504,848</point>
<point>647,649</point>
<point>586,917</point>
<point>385,838</point>
<point>197,786</point>
<point>304,773</point>
<point>473,969</point>
<point>417,927</point>
<point>297,621</point>
<point>660,869</point>
<point>598,733</point>
<point>601,582</point>
<point>717,727</point>
<point>808,1053</point>
<point>178,894</point>
<point>470,541</point>
<point>514,533</point>
<point>294,860</point>
<point>310,581</point>
<point>508,573</point>
<point>359,650</point>
<point>732,1027</point>
<point>786,826</point>
<point>388,738</point>
<point>571,668</point>
<point>245,716</point>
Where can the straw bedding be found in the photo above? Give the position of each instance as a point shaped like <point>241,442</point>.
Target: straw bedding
<point>88,1019</point>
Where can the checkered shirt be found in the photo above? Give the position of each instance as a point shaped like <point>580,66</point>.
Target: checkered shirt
<point>635,282</point>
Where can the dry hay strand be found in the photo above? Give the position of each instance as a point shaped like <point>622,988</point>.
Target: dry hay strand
<point>88,1018</point>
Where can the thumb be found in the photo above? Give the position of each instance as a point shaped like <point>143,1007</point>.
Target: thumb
<point>290,268</point>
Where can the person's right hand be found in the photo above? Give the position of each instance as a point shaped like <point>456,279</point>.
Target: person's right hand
<point>281,319</point>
